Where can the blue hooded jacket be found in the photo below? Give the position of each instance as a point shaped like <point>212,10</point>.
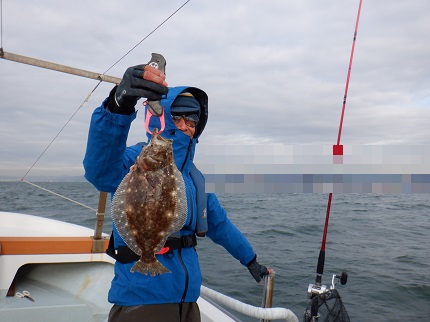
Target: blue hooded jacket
<point>108,160</point>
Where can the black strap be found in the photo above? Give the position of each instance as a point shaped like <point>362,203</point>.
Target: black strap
<point>182,242</point>
<point>125,255</point>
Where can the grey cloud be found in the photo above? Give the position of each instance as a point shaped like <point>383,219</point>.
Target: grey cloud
<point>275,71</point>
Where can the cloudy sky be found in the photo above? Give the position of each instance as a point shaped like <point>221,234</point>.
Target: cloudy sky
<point>274,70</point>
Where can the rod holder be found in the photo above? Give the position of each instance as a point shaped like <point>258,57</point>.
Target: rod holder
<point>269,283</point>
<point>98,241</point>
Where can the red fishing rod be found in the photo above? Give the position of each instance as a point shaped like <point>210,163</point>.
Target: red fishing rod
<point>317,290</point>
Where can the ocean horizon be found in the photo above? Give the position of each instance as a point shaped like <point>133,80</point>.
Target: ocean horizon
<point>380,240</point>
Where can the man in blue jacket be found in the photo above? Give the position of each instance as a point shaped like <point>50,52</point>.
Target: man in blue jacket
<point>172,296</point>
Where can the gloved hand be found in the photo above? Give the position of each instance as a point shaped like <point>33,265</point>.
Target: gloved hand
<point>138,81</point>
<point>257,270</point>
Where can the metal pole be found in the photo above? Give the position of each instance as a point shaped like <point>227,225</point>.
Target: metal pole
<point>58,67</point>
<point>98,242</point>
<point>269,282</point>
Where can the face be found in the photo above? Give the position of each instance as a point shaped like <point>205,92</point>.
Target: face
<point>187,126</point>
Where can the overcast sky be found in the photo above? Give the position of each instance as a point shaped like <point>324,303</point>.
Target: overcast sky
<point>274,70</point>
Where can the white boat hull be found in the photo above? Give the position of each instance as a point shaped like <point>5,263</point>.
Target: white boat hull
<point>53,261</point>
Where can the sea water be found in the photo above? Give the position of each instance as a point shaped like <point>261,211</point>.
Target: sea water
<point>380,240</point>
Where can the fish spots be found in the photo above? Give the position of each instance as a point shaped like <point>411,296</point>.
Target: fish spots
<point>150,204</point>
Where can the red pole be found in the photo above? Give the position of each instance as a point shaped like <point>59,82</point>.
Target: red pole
<point>337,150</point>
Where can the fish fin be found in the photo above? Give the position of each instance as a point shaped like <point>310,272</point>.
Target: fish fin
<point>154,269</point>
<point>119,215</point>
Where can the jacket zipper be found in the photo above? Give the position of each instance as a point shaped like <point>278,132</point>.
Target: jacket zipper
<point>186,275</point>
<point>186,156</point>
<point>187,187</point>
<point>180,250</point>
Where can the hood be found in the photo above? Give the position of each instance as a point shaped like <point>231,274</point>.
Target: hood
<point>183,145</point>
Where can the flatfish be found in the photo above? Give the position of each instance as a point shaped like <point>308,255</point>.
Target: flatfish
<point>150,204</point>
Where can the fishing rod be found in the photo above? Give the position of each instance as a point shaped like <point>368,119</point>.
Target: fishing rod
<point>318,292</point>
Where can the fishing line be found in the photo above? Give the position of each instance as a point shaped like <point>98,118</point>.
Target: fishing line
<point>61,130</point>
<point>156,28</point>
<point>321,258</point>
<point>89,95</point>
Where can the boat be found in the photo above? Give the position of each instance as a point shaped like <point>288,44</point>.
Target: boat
<point>57,271</point>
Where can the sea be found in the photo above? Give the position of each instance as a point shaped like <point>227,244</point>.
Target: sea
<point>380,240</point>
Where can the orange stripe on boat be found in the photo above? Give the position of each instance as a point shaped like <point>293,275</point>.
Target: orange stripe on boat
<point>47,245</point>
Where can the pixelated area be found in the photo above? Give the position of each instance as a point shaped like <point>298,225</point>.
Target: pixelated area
<point>314,169</point>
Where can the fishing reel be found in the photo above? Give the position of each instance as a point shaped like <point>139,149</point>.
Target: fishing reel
<point>317,289</point>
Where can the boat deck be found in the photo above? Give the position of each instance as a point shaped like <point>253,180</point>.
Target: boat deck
<point>61,292</point>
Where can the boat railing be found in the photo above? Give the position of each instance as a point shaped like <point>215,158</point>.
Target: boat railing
<point>264,313</point>
<point>269,282</point>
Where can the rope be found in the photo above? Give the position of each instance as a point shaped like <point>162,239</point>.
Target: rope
<point>58,195</point>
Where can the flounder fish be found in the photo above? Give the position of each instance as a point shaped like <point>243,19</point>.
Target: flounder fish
<point>150,204</point>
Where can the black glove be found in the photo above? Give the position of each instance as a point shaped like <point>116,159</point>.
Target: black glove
<point>257,271</point>
<point>132,87</point>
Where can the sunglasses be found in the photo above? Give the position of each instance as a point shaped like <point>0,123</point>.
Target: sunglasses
<point>190,120</point>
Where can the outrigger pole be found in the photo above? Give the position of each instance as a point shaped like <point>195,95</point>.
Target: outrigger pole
<point>98,240</point>
<point>58,67</point>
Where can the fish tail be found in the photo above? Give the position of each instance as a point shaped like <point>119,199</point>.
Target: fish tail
<point>155,268</point>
